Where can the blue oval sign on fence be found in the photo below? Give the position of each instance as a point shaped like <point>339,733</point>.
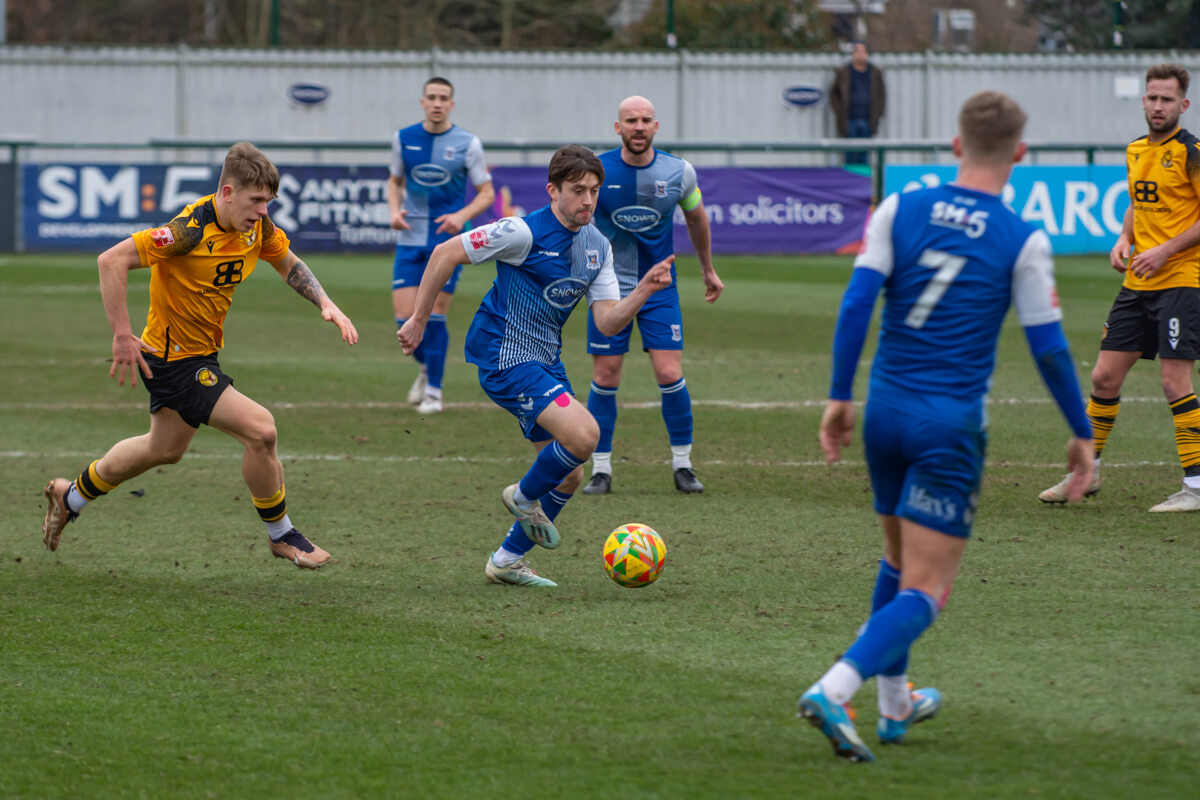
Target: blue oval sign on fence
<point>308,94</point>
<point>802,95</point>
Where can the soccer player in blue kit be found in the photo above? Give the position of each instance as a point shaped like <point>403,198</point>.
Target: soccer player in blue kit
<point>431,164</point>
<point>636,211</point>
<point>950,260</point>
<point>545,263</point>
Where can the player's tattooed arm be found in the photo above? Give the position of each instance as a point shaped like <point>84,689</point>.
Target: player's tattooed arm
<point>301,278</point>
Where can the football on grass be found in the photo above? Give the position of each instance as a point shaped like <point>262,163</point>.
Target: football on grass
<point>634,555</point>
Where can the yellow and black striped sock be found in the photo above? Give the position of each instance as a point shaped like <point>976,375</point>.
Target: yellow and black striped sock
<point>1102,411</point>
<point>90,485</point>
<point>273,508</point>
<point>1186,411</point>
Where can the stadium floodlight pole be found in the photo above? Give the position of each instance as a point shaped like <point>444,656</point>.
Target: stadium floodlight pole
<point>672,42</point>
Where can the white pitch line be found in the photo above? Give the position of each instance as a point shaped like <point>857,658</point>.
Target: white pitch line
<point>476,406</point>
<point>369,459</point>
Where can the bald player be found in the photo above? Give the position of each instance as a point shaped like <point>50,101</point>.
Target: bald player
<point>635,211</point>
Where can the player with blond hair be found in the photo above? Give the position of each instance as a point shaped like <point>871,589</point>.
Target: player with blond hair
<point>197,261</point>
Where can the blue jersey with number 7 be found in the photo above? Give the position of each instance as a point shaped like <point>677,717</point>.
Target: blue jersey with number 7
<point>952,261</point>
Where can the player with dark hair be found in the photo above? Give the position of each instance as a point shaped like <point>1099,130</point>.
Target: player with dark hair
<point>1157,310</point>
<point>427,194</point>
<point>196,262</point>
<point>545,263</point>
<point>952,259</point>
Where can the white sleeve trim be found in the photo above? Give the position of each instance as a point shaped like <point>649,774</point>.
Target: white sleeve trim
<point>508,239</point>
<point>477,170</point>
<point>1035,297</point>
<point>878,253</point>
<point>605,287</point>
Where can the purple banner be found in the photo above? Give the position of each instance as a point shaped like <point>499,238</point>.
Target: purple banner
<point>794,210</point>
<point>341,208</point>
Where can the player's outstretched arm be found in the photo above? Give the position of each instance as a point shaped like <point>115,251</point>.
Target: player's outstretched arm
<point>455,222</point>
<point>114,265</point>
<point>301,278</point>
<point>611,316</point>
<point>700,236</point>
<point>445,257</point>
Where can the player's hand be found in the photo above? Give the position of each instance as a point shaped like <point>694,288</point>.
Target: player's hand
<point>1151,261</point>
<point>451,223</point>
<point>837,423</point>
<point>410,335</point>
<point>128,359</point>
<point>331,313</point>
<point>659,276</point>
<point>399,221</point>
<point>1081,461</point>
<point>712,287</point>
<point>1118,257</point>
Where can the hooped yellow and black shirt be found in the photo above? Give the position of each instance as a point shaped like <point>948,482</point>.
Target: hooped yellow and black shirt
<point>1164,192</point>
<point>195,266</point>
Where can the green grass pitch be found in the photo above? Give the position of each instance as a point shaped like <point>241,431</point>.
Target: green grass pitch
<point>161,651</point>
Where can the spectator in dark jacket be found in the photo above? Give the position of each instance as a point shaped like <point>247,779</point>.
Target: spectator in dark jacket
<point>858,98</point>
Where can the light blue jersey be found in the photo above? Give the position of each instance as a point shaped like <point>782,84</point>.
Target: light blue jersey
<point>435,168</point>
<point>953,260</point>
<point>636,211</point>
<point>542,270</point>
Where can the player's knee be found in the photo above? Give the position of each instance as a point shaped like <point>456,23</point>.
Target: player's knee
<point>170,453</point>
<point>262,435</point>
<point>1105,382</point>
<point>584,438</point>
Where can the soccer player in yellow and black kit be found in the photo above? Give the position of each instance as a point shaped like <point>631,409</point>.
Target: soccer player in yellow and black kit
<point>197,262</point>
<point>1157,311</point>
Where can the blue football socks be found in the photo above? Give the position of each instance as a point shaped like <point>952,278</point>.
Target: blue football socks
<point>602,403</point>
<point>436,342</point>
<point>552,465</point>
<point>676,411</point>
<point>890,632</point>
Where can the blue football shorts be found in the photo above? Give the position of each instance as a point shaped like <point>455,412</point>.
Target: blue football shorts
<point>923,470</point>
<point>409,267</point>
<point>525,390</point>
<point>660,322</point>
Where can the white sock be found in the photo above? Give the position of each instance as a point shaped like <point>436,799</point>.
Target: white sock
<point>602,462</point>
<point>840,683</point>
<point>74,500</point>
<point>433,393</point>
<point>1192,482</point>
<point>895,698</point>
<point>279,527</point>
<point>681,456</point>
<point>520,499</point>
<point>505,558</point>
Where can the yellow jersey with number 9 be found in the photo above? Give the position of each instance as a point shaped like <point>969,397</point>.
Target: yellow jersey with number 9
<point>195,266</point>
<point>1164,193</point>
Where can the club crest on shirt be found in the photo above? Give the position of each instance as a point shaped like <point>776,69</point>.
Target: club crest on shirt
<point>449,156</point>
<point>162,237</point>
<point>249,237</point>
<point>1167,161</point>
<point>205,377</point>
<point>593,259</point>
<point>660,188</point>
